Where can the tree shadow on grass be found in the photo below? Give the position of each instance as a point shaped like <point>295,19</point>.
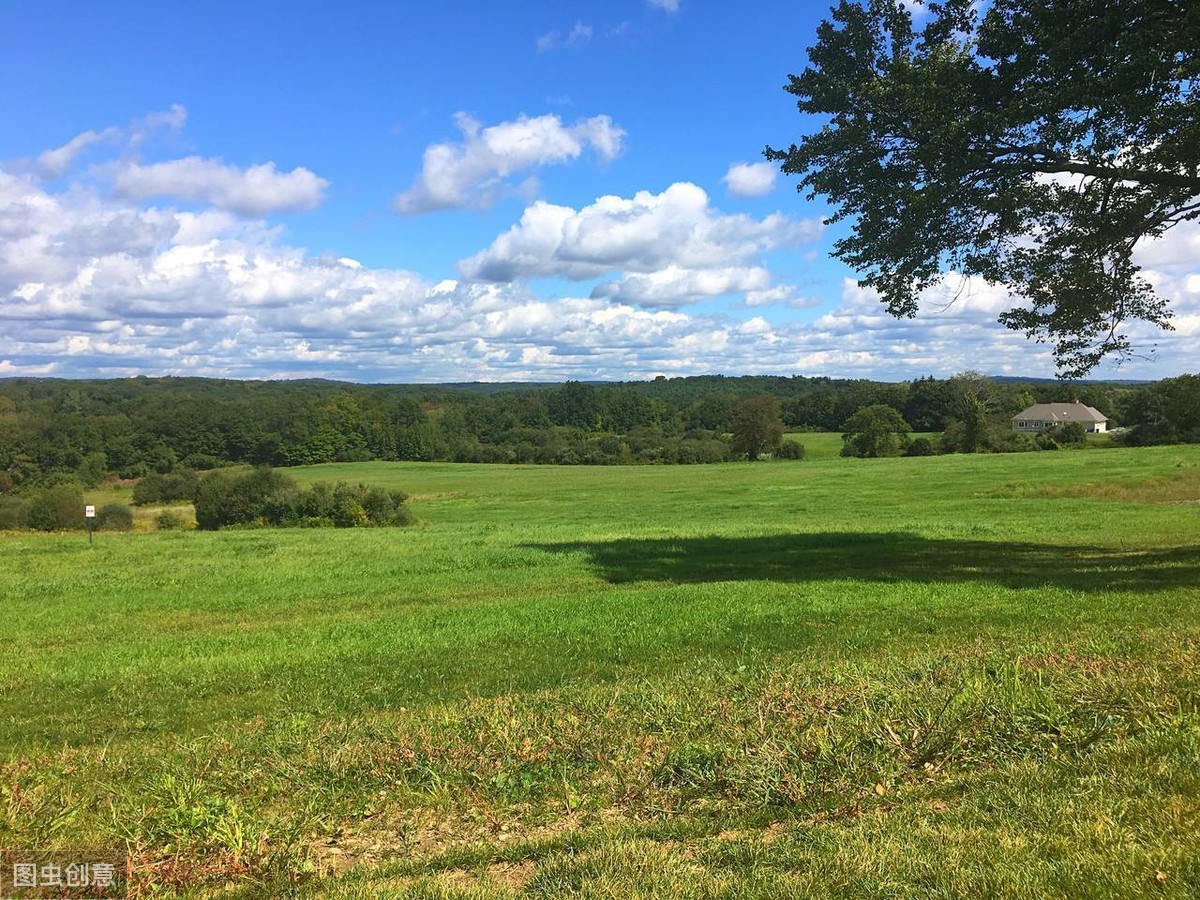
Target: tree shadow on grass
<point>887,557</point>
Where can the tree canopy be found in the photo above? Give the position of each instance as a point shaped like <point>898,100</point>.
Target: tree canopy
<point>1030,143</point>
<point>873,431</point>
<point>757,426</point>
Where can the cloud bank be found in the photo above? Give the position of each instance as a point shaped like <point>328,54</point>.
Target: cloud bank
<point>95,282</point>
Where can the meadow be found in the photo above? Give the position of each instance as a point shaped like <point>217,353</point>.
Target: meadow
<point>931,677</point>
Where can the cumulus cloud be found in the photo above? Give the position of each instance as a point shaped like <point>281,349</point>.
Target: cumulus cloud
<point>675,286</point>
<point>93,284</point>
<point>475,172</point>
<point>254,191</point>
<point>643,234</point>
<point>750,179</point>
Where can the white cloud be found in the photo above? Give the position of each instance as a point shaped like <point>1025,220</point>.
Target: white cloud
<point>642,234</point>
<point>55,162</point>
<point>750,179</point>
<point>667,6</point>
<point>254,191</point>
<point>674,286</point>
<point>782,295</point>
<point>92,285</point>
<point>580,33</point>
<point>475,172</point>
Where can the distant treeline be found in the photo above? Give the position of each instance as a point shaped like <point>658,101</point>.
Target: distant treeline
<point>133,427</point>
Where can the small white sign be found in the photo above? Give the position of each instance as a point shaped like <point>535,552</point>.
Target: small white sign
<point>90,512</point>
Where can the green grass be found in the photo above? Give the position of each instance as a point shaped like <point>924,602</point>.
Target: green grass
<point>820,445</point>
<point>932,677</point>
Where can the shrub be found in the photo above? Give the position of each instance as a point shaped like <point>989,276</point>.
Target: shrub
<point>12,513</point>
<point>919,447</point>
<point>200,461</point>
<point>1071,433</point>
<point>790,450</point>
<point>114,517</point>
<point>170,488</point>
<point>58,508</point>
<point>224,499</point>
<point>169,520</point>
<point>269,498</point>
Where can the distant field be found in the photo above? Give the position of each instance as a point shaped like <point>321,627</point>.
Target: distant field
<point>828,445</point>
<point>932,677</point>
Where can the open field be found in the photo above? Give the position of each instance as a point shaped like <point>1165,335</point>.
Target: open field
<point>933,677</point>
<point>828,444</point>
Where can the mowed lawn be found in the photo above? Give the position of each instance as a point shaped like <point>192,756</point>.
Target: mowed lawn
<point>929,677</point>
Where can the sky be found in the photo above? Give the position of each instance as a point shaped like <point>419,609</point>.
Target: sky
<point>461,191</point>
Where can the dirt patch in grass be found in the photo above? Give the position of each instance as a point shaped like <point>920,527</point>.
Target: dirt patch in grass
<point>421,840</point>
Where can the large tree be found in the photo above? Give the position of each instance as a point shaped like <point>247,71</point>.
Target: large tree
<point>757,426</point>
<point>1032,145</point>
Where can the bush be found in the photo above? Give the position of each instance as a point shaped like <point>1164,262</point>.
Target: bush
<point>1045,441</point>
<point>1071,433</point>
<point>790,450</point>
<point>114,517</point>
<point>224,499</point>
<point>171,488</point>
<point>12,513</point>
<point>269,498</point>
<point>919,447</point>
<point>58,508</point>
<point>201,461</point>
<point>169,520</point>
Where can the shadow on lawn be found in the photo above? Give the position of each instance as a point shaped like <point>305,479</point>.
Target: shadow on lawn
<point>887,556</point>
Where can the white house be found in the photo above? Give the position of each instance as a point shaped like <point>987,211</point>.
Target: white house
<point>1041,416</point>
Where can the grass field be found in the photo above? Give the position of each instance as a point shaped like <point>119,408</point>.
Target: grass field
<point>932,677</point>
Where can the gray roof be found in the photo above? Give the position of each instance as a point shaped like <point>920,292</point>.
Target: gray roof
<point>1061,412</point>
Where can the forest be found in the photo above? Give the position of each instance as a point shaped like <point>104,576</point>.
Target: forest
<point>86,431</point>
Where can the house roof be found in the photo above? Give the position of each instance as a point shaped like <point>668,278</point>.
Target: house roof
<point>1061,412</point>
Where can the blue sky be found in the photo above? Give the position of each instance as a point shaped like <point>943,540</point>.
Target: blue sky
<point>460,191</point>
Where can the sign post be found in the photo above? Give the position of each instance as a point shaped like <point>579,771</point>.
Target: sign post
<point>89,513</point>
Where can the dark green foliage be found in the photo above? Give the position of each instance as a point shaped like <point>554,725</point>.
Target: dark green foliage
<point>114,517</point>
<point>266,497</point>
<point>93,469</point>
<point>919,447</point>
<point>757,427</point>
<point>1165,413</point>
<point>200,461</point>
<point>13,512</point>
<point>58,508</point>
<point>875,431</point>
<point>1027,143</point>
<point>1073,433</point>
<point>1045,441</point>
<point>49,429</point>
<point>790,450</point>
<point>242,499</point>
<point>175,487</point>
